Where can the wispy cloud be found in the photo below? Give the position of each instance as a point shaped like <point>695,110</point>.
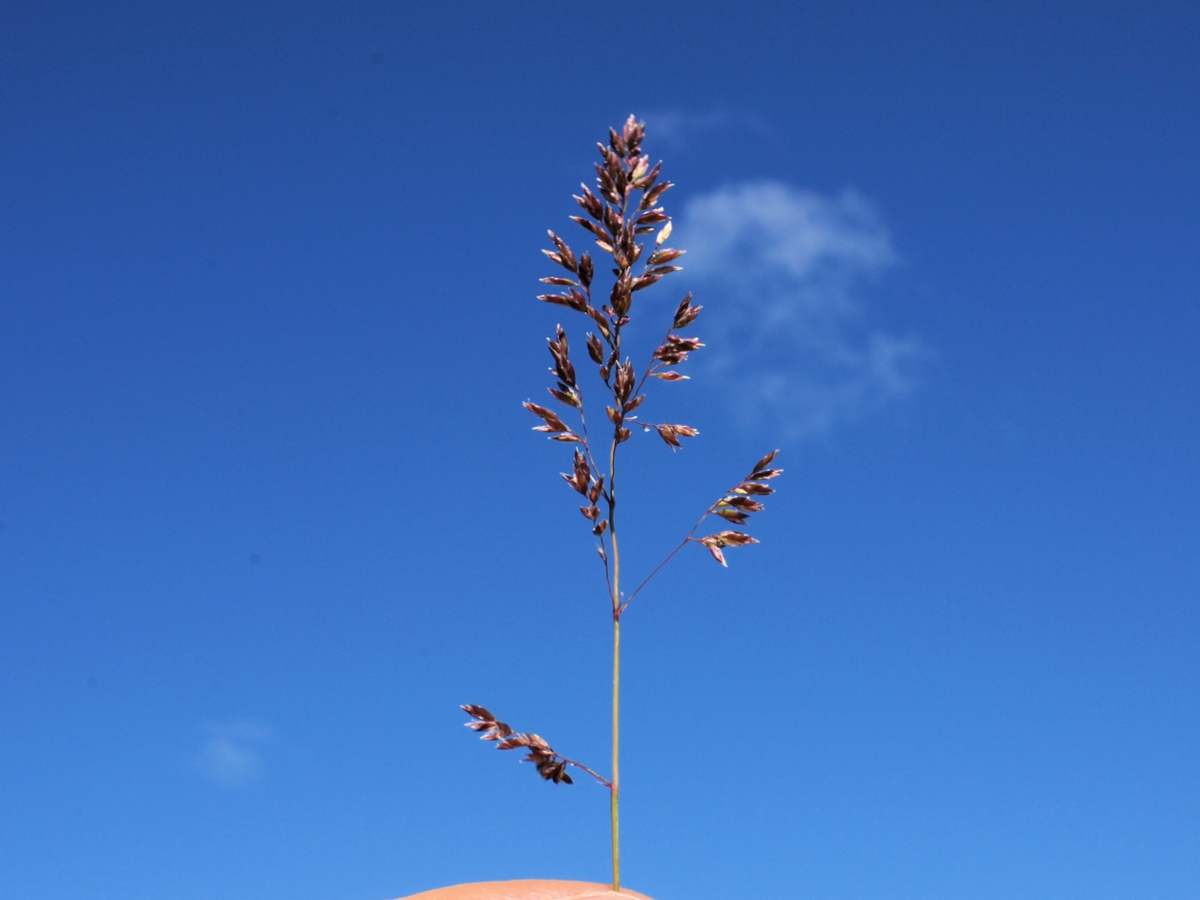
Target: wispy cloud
<point>682,128</point>
<point>230,756</point>
<point>782,274</point>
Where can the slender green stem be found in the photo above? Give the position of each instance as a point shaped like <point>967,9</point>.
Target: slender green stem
<point>615,787</point>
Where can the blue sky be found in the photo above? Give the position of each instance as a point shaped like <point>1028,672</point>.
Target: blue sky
<point>271,509</point>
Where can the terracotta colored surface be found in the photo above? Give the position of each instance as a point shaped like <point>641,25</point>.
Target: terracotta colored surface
<point>526,890</point>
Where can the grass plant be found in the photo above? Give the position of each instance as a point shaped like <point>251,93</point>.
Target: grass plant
<point>619,216</point>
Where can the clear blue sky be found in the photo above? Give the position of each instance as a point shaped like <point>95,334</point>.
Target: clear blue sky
<point>271,509</point>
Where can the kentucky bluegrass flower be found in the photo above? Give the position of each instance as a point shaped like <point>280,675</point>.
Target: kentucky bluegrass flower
<point>622,211</point>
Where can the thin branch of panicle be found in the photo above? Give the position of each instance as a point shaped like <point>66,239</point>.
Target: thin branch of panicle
<point>550,765</point>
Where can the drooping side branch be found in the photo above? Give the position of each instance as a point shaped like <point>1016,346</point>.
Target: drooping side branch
<point>551,765</point>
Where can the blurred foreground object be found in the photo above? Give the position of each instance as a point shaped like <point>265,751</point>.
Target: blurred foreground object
<point>530,889</point>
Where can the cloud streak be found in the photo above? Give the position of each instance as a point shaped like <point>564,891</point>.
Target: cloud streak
<point>681,128</point>
<point>781,272</point>
<point>229,756</point>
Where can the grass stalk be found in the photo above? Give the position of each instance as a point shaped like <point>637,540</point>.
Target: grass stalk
<point>615,787</point>
<point>619,221</point>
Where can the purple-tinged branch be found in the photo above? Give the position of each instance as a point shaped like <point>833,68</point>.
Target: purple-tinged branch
<point>735,499</point>
<point>551,765</point>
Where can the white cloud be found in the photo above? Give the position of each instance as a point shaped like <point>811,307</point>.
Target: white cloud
<point>681,129</point>
<point>230,757</point>
<point>781,273</point>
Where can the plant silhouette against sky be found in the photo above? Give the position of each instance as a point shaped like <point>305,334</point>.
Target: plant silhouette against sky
<point>623,209</point>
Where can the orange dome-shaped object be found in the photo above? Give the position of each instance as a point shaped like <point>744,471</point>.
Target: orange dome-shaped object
<point>531,889</point>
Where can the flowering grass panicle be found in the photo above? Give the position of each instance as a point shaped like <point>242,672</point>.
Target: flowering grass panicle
<point>619,217</point>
